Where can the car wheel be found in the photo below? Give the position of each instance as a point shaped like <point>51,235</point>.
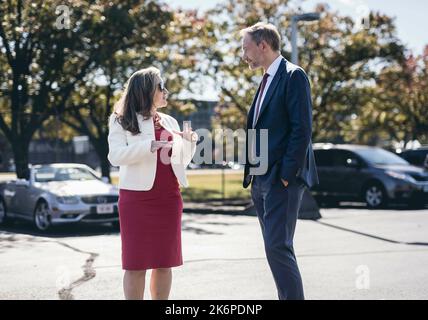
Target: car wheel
<point>41,216</point>
<point>3,217</point>
<point>375,196</point>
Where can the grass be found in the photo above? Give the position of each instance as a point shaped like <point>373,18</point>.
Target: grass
<point>209,187</point>
<point>203,187</point>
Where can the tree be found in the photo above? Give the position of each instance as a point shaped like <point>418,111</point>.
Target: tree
<point>340,60</point>
<point>343,63</point>
<point>45,57</point>
<point>399,111</point>
<point>91,104</point>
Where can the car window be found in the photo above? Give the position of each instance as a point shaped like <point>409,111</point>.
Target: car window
<point>378,156</point>
<point>47,174</point>
<point>343,158</point>
<point>323,158</point>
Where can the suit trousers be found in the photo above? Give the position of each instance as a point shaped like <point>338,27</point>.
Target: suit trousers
<point>277,209</point>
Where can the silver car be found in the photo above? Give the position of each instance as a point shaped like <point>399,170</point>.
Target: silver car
<point>60,193</point>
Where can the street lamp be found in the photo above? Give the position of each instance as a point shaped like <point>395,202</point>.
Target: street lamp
<point>294,20</point>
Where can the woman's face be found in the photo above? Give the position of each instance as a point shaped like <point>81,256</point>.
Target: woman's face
<point>161,95</point>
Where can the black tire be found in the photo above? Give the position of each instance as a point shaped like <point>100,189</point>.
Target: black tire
<point>41,217</point>
<point>374,195</point>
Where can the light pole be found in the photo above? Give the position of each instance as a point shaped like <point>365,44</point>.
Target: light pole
<point>294,20</point>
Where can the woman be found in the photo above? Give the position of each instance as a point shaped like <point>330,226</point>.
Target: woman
<point>152,155</point>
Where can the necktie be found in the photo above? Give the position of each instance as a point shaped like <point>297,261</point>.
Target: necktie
<point>259,98</point>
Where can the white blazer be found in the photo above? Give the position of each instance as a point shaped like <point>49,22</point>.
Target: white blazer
<point>137,164</point>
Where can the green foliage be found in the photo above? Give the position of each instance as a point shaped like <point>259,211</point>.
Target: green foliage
<point>342,61</point>
<point>45,66</point>
<point>399,108</point>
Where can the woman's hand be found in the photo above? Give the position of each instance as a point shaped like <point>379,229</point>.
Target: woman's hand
<point>156,145</point>
<point>187,135</point>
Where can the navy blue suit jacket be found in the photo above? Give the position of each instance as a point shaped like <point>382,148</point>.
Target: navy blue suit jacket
<point>287,114</point>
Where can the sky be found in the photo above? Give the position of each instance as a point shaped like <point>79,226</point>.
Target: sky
<point>410,15</point>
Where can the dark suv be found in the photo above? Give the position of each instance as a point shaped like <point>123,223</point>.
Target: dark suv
<point>371,174</point>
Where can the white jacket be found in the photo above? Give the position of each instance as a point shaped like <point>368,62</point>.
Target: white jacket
<point>137,164</point>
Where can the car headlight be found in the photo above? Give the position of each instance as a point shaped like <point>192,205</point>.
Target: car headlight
<point>400,176</point>
<point>68,200</point>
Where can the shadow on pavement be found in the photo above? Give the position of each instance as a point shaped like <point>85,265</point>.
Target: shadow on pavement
<point>64,231</point>
<point>190,223</point>
<point>361,205</point>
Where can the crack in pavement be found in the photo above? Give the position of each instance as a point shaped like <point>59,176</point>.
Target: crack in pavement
<point>88,272</point>
<point>88,268</point>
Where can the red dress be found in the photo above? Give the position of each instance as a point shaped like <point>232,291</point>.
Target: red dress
<point>150,221</point>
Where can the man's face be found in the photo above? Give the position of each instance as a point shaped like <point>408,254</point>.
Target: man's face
<point>251,52</point>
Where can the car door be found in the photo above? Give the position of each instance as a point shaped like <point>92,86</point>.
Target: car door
<point>9,193</point>
<point>348,174</point>
<point>335,173</point>
<point>21,199</point>
<point>323,160</point>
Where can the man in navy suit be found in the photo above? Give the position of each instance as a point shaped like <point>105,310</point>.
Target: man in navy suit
<point>283,106</point>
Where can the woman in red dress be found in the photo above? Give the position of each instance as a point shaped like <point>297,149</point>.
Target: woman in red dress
<point>143,142</point>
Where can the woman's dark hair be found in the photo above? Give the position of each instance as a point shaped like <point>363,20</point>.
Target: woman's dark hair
<point>137,98</point>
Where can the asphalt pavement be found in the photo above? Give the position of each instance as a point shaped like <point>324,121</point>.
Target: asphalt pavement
<point>351,253</point>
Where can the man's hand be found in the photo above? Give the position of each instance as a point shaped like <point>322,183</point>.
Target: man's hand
<point>284,182</point>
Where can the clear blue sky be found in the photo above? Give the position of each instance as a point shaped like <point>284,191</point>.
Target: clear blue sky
<point>411,15</point>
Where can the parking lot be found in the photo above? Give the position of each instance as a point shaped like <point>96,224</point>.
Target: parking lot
<point>351,253</point>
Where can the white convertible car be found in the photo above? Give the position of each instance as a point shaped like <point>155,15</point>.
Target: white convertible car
<point>57,194</point>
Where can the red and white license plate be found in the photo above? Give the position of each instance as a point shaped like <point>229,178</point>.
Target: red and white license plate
<point>105,208</point>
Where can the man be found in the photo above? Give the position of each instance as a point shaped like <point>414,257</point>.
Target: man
<point>283,106</point>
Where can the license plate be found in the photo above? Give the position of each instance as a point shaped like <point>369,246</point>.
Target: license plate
<point>425,188</point>
<point>105,208</point>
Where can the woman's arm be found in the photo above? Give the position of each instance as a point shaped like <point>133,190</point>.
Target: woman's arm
<point>120,153</point>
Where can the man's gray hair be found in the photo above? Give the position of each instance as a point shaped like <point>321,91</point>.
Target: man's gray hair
<point>264,31</point>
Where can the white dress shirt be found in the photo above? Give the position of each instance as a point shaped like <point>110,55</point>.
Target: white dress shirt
<point>273,68</point>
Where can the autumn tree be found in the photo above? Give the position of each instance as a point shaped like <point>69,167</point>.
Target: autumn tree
<point>340,59</point>
<point>399,109</point>
<point>47,50</point>
<point>91,104</point>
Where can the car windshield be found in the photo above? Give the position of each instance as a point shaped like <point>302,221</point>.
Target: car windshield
<point>47,174</point>
<point>379,156</point>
